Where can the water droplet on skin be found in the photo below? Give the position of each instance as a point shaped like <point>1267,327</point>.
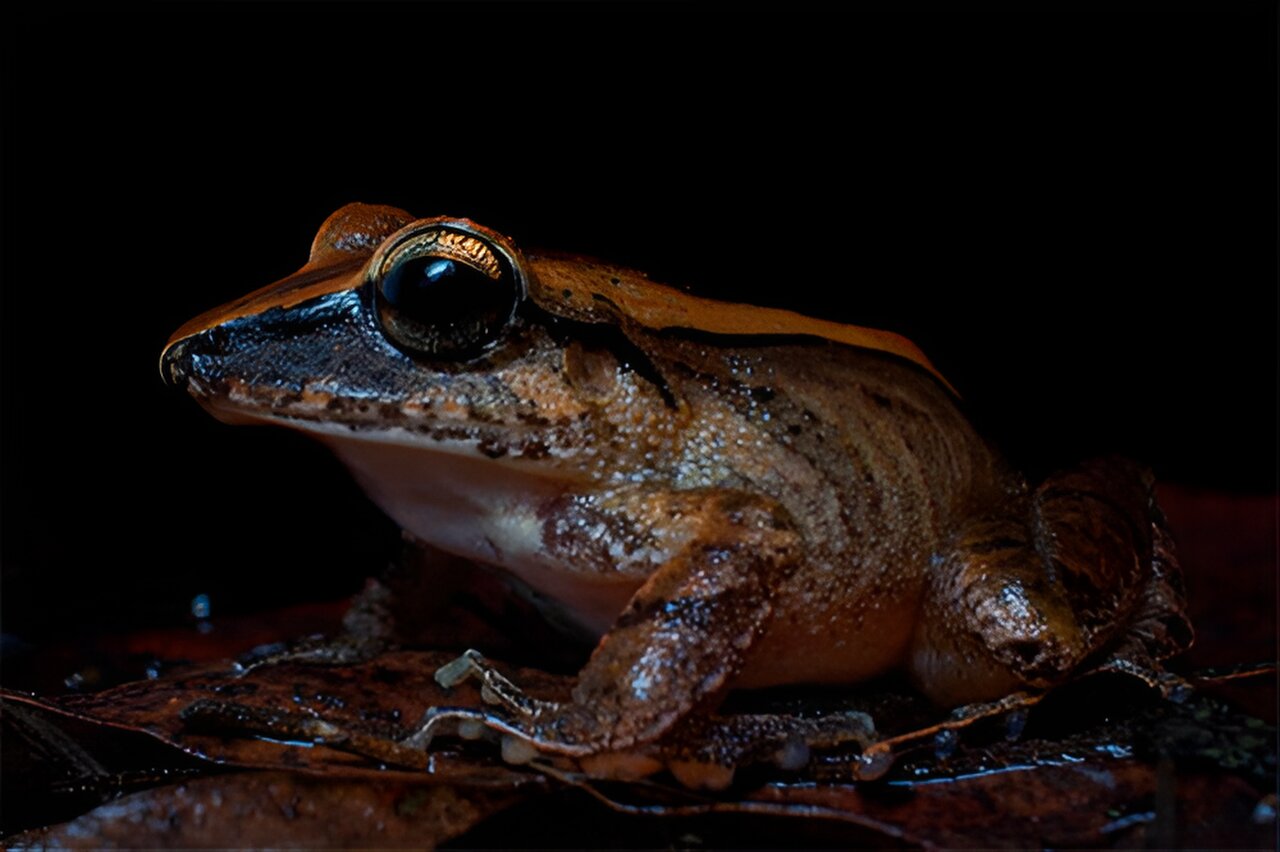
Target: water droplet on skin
<point>701,776</point>
<point>517,751</point>
<point>1014,724</point>
<point>872,765</point>
<point>793,756</point>
<point>944,743</point>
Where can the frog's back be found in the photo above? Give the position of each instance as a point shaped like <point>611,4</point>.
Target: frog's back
<point>864,406</point>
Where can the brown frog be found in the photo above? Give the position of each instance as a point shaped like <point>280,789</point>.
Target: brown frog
<point>725,496</point>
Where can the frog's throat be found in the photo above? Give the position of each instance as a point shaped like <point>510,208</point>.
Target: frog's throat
<point>455,496</point>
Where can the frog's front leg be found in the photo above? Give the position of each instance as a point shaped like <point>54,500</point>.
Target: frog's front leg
<point>1025,596</point>
<point>684,634</point>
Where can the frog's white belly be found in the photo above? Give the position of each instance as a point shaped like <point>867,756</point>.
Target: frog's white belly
<point>448,494</point>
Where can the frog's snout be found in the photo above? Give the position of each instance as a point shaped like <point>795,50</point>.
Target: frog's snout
<point>192,362</point>
<point>196,365</point>
<point>172,369</point>
<point>176,362</point>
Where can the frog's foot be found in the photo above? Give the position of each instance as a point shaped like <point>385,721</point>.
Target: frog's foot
<point>526,724</point>
<point>518,716</point>
<point>518,745</point>
<point>877,758</point>
<point>704,753</point>
<point>495,688</point>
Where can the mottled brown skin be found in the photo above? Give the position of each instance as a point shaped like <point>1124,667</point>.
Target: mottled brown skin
<point>728,498</point>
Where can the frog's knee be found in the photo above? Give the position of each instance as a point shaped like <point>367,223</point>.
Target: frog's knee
<point>992,620</point>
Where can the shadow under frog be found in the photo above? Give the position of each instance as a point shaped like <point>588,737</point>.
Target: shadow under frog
<point>725,496</point>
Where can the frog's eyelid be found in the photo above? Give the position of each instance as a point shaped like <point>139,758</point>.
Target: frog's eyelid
<point>448,243</point>
<point>460,239</point>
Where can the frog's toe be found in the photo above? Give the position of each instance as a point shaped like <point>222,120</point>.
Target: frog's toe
<point>471,728</point>
<point>517,750</point>
<point>700,775</point>
<point>468,724</point>
<point>518,746</point>
<point>459,670</point>
<point>872,763</point>
<point>495,688</point>
<point>792,755</point>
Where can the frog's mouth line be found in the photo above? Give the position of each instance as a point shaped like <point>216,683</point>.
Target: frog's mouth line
<point>330,417</point>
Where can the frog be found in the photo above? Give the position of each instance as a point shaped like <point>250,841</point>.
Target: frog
<point>723,497</point>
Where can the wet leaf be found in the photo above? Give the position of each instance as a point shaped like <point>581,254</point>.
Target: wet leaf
<point>276,809</point>
<point>384,697</point>
<point>1105,762</point>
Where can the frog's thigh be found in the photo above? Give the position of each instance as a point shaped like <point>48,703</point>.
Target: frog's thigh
<point>685,632</point>
<point>1023,595</point>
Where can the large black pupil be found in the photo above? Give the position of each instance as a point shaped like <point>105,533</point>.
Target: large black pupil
<point>430,285</point>
<point>438,306</point>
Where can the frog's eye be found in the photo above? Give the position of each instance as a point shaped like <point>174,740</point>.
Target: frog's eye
<point>444,291</point>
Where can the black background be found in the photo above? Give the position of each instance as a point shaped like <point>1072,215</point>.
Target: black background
<point>1071,209</point>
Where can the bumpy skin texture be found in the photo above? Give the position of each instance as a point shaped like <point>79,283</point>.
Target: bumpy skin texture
<point>873,463</point>
<point>723,510</point>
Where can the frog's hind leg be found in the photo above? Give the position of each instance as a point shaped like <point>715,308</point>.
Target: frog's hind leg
<point>679,642</point>
<point>1159,628</point>
<point>1023,597</point>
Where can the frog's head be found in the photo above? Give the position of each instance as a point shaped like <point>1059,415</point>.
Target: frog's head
<point>417,331</point>
<point>417,351</point>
